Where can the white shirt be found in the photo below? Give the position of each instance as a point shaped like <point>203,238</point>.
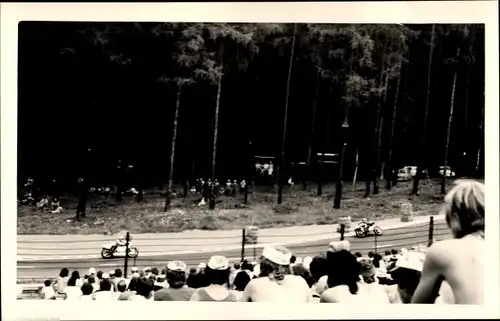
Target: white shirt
<point>73,292</point>
<point>48,293</point>
<point>104,296</point>
<point>372,293</point>
<point>292,288</point>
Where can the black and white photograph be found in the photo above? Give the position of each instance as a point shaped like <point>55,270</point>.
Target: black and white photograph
<point>278,162</point>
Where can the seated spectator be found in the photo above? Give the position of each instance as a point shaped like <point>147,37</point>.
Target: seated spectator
<point>371,254</point>
<point>61,282</point>
<point>277,285</point>
<point>301,271</point>
<point>333,247</point>
<point>105,292</point>
<point>76,277</point>
<point>217,274</point>
<point>370,286</point>
<point>87,291</point>
<point>72,291</point>
<point>155,271</point>
<point>123,294</point>
<point>118,278</point>
<point>144,290</point>
<point>94,284</point>
<point>47,292</point>
<point>241,281</point>
<point>380,270</point>
<point>192,279</point>
<point>160,283</point>
<point>358,255</point>
<point>234,272</point>
<point>176,290</point>
<point>459,261</point>
<point>318,269</point>
<point>132,284</point>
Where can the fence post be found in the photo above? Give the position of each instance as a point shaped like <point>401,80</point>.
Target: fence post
<point>342,231</point>
<point>126,256</point>
<point>431,231</point>
<point>243,245</point>
<point>254,254</point>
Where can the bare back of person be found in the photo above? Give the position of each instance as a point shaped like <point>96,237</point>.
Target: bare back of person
<point>459,262</point>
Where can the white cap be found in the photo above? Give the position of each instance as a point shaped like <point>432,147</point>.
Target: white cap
<point>277,254</point>
<point>176,266</point>
<point>298,260</point>
<point>105,275</point>
<point>202,265</point>
<point>148,269</point>
<point>111,272</point>
<point>135,275</point>
<point>134,269</point>
<point>218,262</point>
<point>92,271</point>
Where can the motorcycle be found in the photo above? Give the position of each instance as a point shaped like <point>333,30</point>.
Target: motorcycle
<point>107,251</point>
<point>362,231</point>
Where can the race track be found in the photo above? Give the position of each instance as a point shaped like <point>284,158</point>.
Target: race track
<point>392,238</point>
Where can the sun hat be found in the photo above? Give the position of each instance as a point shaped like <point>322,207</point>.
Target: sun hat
<point>178,266</point>
<point>277,254</point>
<point>367,268</point>
<point>218,262</point>
<point>337,246</point>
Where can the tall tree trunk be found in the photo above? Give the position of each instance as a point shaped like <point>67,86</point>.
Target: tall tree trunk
<point>311,137</point>
<point>172,151</point>
<point>390,166</point>
<point>285,120</point>
<point>443,182</point>
<point>423,136</point>
<point>356,164</point>
<point>216,130</point>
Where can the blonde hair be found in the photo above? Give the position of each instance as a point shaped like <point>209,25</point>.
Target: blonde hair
<point>464,207</point>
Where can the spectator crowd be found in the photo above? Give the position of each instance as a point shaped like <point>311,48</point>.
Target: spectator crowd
<point>448,272</point>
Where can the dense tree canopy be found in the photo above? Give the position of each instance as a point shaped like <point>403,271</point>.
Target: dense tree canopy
<point>116,88</point>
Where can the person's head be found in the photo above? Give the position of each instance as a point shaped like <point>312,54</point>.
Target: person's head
<point>376,260</point>
<point>241,280</point>
<point>192,271</point>
<point>99,275</point>
<point>111,273</point>
<point>358,254</point>
<point>72,282</point>
<point>387,252</point>
<point>464,208</point>
<point>318,267</point>
<point>394,252</point>
<point>275,262</point>
<point>75,275</point>
<point>155,271</point>
<point>92,271</point>
<point>64,273</point>
<point>217,271</point>
<point>132,286</point>
<point>367,271</point>
<point>118,273</point>
<point>237,266</point>
<point>47,283</point>
<point>371,254</point>
<point>176,274</point>
<point>144,287</point>
<point>122,286</point>
<point>87,289</point>
<point>201,267</point>
<point>91,279</point>
<point>343,269</point>
<point>105,285</point>
<point>293,259</point>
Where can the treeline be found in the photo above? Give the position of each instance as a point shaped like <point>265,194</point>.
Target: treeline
<point>202,99</point>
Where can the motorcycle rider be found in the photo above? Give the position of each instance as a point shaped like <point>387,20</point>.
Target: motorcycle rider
<point>366,224</point>
<point>121,240</point>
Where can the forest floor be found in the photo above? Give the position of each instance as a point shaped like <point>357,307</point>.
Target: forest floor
<point>299,208</point>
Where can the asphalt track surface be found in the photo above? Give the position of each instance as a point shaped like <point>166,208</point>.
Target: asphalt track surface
<point>391,239</point>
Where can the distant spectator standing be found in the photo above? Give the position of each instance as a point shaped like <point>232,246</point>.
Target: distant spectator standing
<point>61,282</point>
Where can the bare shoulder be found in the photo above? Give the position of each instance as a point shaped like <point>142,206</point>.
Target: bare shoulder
<point>443,251</point>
